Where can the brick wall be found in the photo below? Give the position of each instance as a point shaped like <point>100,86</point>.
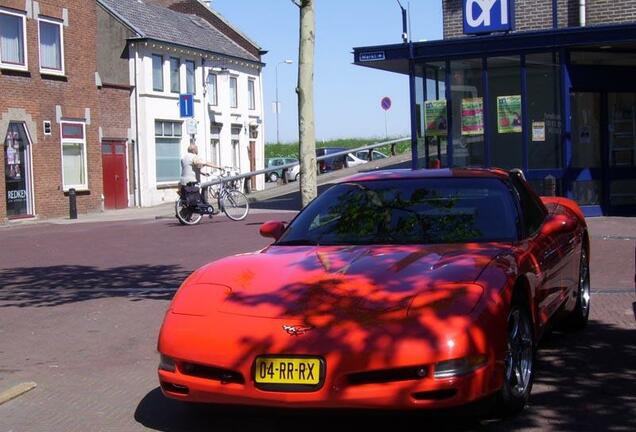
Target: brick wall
<point>537,14</point>
<point>38,94</point>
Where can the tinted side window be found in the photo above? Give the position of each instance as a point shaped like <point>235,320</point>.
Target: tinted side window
<point>533,211</point>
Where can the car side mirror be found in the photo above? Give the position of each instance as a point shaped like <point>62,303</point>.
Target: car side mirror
<point>272,229</point>
<point>556,224</point>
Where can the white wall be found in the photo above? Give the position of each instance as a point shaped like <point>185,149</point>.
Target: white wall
<point>165,106</point>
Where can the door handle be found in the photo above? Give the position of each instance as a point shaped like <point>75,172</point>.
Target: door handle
<point>116,177</point>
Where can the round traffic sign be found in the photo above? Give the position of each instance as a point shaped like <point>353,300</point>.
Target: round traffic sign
<point>385,103</point>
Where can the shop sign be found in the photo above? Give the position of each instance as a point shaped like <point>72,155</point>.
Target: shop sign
<point>435,117</point>
<point>509,114</point>
<point>487,16</point>
<point>473,116</point>
<point>538,131</point>
<point>16,195</point>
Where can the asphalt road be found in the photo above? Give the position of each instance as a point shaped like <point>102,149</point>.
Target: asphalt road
<point>81,305</point>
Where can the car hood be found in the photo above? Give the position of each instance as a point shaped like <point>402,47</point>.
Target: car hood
<point>317,284</point>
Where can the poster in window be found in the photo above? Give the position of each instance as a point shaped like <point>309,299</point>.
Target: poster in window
<point>435,117</point>
<point>509,114</point>
<point>472,116</point>
<point>538,131</point>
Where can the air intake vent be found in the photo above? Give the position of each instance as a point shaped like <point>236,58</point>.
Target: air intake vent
<point>212,373</point>
<point>387,375</point>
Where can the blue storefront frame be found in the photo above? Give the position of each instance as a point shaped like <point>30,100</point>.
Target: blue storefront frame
<point>560,41</point>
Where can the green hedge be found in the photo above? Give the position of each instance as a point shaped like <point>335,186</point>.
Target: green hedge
<point>291,149</point>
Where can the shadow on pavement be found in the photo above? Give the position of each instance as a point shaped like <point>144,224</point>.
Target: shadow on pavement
<point>584,382</point>
<point>56,285</point>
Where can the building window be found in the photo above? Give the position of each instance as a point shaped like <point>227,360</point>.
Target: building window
<point>168,150</point>
<point>544,111</point>
<point>251,94</point>
<point>504,119</point>
<point>468,113</point>
<point>215,143</point>
<point>12,37</point>
<point>190,81</point>
<point>233,92</point>
<point>74,172</point>
<point>175,76</point>
<point>157,72</point>
<point>51,46</point>
<point>236,156</point>
<point>212,90</point>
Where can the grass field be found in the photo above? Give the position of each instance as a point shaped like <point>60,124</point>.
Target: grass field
<point>291,149</point>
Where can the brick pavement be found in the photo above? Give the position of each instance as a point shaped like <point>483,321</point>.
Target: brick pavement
<point>80,311</point>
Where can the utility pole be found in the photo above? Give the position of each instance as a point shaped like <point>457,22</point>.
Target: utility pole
<point>305,90</point>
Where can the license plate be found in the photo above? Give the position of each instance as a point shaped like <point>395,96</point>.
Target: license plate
<point>288,370</point>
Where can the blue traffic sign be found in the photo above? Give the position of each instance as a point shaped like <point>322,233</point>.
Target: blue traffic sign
<point>487,16</point>
<point>385,103</point>
<point>186,105</point>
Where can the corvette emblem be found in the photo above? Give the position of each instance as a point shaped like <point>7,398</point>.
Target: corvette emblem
<point>296,330</point>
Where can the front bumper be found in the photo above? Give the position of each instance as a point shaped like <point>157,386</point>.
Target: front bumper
<point>426,392</point>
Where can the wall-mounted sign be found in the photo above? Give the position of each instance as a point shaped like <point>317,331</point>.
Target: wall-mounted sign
<point>371,56</point>
<point>435,117</point>
<point>487,16</point>
<point>473,116</point>
<point>509,114</point>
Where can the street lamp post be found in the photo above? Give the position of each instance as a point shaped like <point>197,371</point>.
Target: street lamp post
<point>277,102</point>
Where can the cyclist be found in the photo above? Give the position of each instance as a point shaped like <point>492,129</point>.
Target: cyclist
<point>191,165</point>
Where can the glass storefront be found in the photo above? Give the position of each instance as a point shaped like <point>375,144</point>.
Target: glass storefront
<point>467,102</point>
<point>17,171</point>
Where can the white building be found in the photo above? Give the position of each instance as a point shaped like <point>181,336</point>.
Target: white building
<point>173,54</point>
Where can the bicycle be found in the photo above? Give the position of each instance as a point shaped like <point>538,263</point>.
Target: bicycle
<point>190,207</point>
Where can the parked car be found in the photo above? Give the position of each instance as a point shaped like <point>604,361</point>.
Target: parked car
<point>352,160</point>
<point>331,164</point>
<point>375,155</point>
<point>274,162</point>
<point>392,289</point>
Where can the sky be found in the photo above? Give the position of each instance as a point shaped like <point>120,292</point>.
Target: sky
<point>346,97</point>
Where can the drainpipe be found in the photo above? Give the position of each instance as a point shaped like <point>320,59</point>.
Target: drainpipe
<point>137,152</point>
<point>582,13</point>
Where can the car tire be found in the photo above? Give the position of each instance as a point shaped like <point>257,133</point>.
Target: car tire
<point>519,358</point>
<point>579,316</point>
<point>273,177</point>
<point>297,177</point>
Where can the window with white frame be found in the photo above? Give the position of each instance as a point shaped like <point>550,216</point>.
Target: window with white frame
<point>212,90</point>
<point>251,94</point>
<point>215,143</point>
<point>157,72</point>
<point>175,75</point>
<point>233,92</point>
<point>190,81</point>
<point>13,50</point>
<point>74,170</point>
<point>51,37</point>
<point>168,150</point>
<point>236,156</point>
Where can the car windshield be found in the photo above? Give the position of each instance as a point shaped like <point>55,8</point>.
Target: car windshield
<point>407,211</point>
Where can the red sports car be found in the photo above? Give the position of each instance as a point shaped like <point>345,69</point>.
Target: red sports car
<point>393,289</point>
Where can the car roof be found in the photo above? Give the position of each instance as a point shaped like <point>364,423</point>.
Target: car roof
<point>397,174</point>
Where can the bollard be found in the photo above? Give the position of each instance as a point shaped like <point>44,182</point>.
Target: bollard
<point>284,176</point>
<point>393,149</point>
<point>247,185</point>
<point>549,185</point>
<point>72,203</point>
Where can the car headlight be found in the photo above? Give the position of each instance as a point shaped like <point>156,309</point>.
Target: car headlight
<point>460,366</point>
<point>166,363</point>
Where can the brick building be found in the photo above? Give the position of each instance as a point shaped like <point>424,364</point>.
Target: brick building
<point>49,110</point>
<point>542,85</point>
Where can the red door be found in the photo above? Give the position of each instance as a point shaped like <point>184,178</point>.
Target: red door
<point>114,169</point>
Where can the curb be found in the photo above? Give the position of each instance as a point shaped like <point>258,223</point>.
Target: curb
<point>16,391</point>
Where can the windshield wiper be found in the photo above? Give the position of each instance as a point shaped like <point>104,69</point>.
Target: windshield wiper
<point>298,242</point>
